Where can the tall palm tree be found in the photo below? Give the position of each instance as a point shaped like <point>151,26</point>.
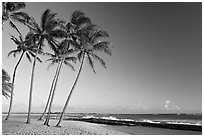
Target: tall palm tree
<point>47,30</point>
<point>24,47</point>
<point>89,44</point>
<point>62,55</point>
<point>78,18</point>
<point>6,85</point>
<point>11,11</point>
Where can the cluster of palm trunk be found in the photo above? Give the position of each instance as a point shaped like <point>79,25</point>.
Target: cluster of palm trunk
<point>77,39</point>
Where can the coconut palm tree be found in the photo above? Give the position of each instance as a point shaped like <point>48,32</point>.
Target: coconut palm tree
<point>11,11</point>
<point>78,18</point>
<point>24,47</point>
<point>47,30</point>
<point>62,55</point>
<point>89,44</point>
<point>6,85</point>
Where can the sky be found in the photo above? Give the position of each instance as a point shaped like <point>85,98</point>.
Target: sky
<point>155,67</point>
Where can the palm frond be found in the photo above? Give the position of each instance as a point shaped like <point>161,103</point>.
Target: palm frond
<point>14,52</point>
<point>76,14</point>
<point>70,52</point>
<point>91,63</point>
<point>44,18</point>
<point>102,46</point>
<point>21,38</point>
<point>63,27</point>
<point>64,46</point>
<point>51,25</point>
<point>22,15</point>
<point>27,55</point>
<point>69,65</point>
<point>16,6</point>
<point>33,26</point>
<point>82,20</point>
<point>99,34</point>
<point>73,59</point>
<point>79,56</point>
<point>52,63</point>
<point>5,93</point>
<point>15,40</point>
<point>33,55</point>
<point>38,59</point>
<point>50,54</point>
<point>51,16</point>
<point>14,26</point>
<point>50,59</point>
<point>75,45</point>
<point>19,19</point>
<point>5,76</point>
<point>99,59</point>
<point>52,43</point>
<point>6,86</point>
<point>88,28</point>
<point>58,33</point>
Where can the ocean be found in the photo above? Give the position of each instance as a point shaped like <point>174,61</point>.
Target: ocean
<point>188,119</point>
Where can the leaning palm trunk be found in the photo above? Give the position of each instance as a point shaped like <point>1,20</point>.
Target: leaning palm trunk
<point>53,93</point>
<point>31,89</point>
<point>70,94</point>
<point>31,84</point>
<point>13,80</point>
<point>48,100</point>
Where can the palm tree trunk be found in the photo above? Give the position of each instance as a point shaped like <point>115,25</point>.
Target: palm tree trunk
<point>31,81</point>
<point>53,93</point>
<point>13,80</point>
<point>31,89</point>
<point>70,94</point>
<point>48,100</point>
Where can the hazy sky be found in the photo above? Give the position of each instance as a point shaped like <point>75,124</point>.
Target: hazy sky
<point>156,64</point>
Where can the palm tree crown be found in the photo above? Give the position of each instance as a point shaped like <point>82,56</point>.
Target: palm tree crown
<point>24,45</point>
<point>11,11</point>
<point>62,51</point>
<point>47,30</point>
<point>90,44</point>
<point>6,85</point>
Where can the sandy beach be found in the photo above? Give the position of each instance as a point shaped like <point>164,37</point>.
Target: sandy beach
<point>17,126</point>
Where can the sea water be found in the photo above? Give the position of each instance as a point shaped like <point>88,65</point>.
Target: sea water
<point>188,119</point>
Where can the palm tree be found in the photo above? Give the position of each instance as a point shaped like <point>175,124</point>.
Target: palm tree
<point>47,30</point>
<point>6,85</point>
<point>89,44</point>
<point>25,47</point>
<point>11,11</point>
<point>78,18</point>
<point>62,55</point>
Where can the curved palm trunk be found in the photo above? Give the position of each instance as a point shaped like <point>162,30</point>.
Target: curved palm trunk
<point>53,93</point>
<point>48,100</point>
<point>31,83</point>
<point>31,89</point>
<point>70,94</point>
<point>13,80</point>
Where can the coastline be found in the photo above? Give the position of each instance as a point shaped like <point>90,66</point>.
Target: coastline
<point>16,126</point>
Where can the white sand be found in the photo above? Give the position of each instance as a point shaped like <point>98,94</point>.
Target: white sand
<point>17,126</point>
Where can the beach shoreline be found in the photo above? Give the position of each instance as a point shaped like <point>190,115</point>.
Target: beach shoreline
<point>17,126</point>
